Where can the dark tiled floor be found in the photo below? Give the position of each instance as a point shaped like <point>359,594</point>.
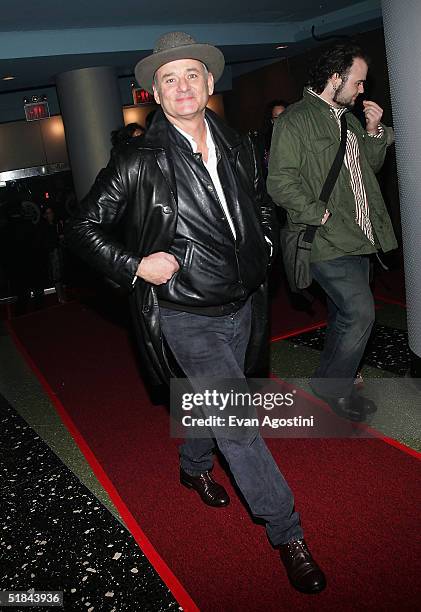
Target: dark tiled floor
<point>56,535</point>
<point>387,350</point>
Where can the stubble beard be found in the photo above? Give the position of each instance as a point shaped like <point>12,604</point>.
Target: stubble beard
<point>343,103</point>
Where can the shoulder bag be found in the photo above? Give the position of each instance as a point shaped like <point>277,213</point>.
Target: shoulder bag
<point>296,245</point>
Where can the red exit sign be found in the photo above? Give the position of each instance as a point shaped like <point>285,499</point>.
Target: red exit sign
<point>141,96</point>
<point>36,110</point>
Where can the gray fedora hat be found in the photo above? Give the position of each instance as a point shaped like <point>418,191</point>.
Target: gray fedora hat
<point>174,46</point>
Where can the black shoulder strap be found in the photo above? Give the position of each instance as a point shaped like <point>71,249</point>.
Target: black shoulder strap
<point>337,163</point>
<point>331,178</point>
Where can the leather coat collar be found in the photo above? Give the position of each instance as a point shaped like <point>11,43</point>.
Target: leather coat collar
<point>156,136</point>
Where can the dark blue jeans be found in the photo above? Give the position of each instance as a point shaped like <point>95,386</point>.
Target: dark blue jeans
<point>215,347</point>
<point>350,320</point>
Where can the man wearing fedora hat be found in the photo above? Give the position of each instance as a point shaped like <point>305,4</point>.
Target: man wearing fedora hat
<point>198,232</point>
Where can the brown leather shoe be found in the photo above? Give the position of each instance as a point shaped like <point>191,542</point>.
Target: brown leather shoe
<point>212,493</point>
<point>303,572</point>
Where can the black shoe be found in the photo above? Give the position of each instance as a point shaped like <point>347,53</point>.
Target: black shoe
<point>346,408</point>
<point>366,405</point>
<point>212,493</point>
<point>303,572</point>
<point>354,407</point>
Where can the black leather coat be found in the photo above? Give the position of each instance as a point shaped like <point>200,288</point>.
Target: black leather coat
<point>137,192</point>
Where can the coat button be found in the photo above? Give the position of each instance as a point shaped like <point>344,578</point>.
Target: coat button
<point>210,188</point>
<point>146,308</point>
<point>167,210</point>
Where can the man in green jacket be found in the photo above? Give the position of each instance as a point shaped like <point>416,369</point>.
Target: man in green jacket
<point>354,223</point>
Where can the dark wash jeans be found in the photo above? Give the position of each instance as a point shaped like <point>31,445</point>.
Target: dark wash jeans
<point>350,320</point>
<point>215,347</point>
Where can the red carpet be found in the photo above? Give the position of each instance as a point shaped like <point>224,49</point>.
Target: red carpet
<point>291,313</point>
<point>359,499</point>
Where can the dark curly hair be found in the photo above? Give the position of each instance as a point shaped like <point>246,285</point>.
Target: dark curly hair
<point>124,134</point>
<point>337,59</point>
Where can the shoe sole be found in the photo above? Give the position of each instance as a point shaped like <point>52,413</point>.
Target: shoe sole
<point>357,418</point>
<point>313,592</point>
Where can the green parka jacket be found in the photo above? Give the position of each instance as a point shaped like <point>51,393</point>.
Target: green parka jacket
<point>304,144</point>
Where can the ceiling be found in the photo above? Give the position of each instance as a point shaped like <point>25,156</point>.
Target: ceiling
<point>41,38</point>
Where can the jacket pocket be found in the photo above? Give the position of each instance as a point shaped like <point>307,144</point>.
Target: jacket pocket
<point>188,256</point>
<point>321,144</point>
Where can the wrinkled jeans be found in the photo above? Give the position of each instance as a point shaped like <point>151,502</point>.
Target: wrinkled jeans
<point>350,320</point>
<point>215,347</point>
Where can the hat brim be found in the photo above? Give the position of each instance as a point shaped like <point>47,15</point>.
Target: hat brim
<point>211,56</point>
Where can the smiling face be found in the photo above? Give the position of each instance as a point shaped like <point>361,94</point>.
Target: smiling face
<point>182,88</point>
<point>352,85</point>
